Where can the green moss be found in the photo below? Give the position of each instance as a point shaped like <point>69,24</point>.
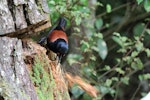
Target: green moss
<point>8,91</point>
<point>43,80</point>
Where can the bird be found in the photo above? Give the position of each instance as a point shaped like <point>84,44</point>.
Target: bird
<point>57,40</point>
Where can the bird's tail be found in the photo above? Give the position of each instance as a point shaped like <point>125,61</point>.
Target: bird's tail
<point>62,23</point>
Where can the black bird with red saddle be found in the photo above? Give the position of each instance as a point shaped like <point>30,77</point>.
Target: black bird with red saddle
<point>57,40</point>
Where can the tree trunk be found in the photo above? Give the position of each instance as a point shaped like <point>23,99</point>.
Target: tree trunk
<point>26,73</point>
<point>21,17</point>
<point>15,83</point>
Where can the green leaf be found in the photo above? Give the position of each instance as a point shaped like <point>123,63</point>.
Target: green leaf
<point>76,29</point>
<point>93,58</point>
<point>102,48</point>
<point>117,40</point>
<point>78,20</point>
<point>99,23</point>
<point>73,58</point>
<point>120,71</point>
<point>108,82</point>
<point>134,54</point>
<point>139,46</point>
<point>138,29</point>
<point>76,91</point>
<point>125,80</point>
<point>115,79</point>
<point>116,37</point>
<point>87,97</point>
<point>88,71</point>
<point>147,5</point>
<point>137,64</point>
<point>147,52</point>
<point>84,46</point>
<point>99,35</point>
<point>133,65</point>
<point>144,77</point>
<point>108,8</point>
<point>107,67</point>
<point>52,2</point>
<point>106,90</point>
<point>148,31</point>
<point>139,1</point>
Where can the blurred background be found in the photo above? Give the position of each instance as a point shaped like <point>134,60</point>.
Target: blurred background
<point>109,46</point>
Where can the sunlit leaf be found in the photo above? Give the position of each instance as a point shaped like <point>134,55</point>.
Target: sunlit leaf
<point>78,20</point>
<point>102,48</point>
<point>134,65</point>
<point>51,2</point>
<point>115,79</point>
<point>107,67</point>
<point>144,76</point>
<point>147,52</point>
<point>139,1</point>
<point>108,8</point>
<point>77,29</point>
<point>117,40</point>
<point>84,46</point>
<point>93,58</point>
<point>137,64</point>
<point>125,80</point>
<point>108,82</point>
<point>76,91</point>
<point>98,23</point>
<point>139,46</point>
<point>147,5</point>
<point>134,54</point>
<point>95,48</point>
<point>73,58</point>
<point>148,31</point>
<point>99,35</point>
<point>120,71</point>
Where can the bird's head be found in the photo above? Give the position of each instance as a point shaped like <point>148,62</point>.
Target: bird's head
<point>62,48</point>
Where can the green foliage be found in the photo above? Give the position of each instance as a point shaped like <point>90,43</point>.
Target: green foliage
<point>139,1</point>
<point>147,5</point>
<point>71,9</point>
<point>144,77</point>
<point>115,52</point>
<point>74,58</point>
<point>102,47</point>
<point>76,91</point>
<point>99,23</point>
<point>138,29</point>
<point>108,8</point>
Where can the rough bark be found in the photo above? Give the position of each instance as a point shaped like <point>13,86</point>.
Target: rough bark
<point>23,16</point>
<point>15,83</point>
<point>26,73</point>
